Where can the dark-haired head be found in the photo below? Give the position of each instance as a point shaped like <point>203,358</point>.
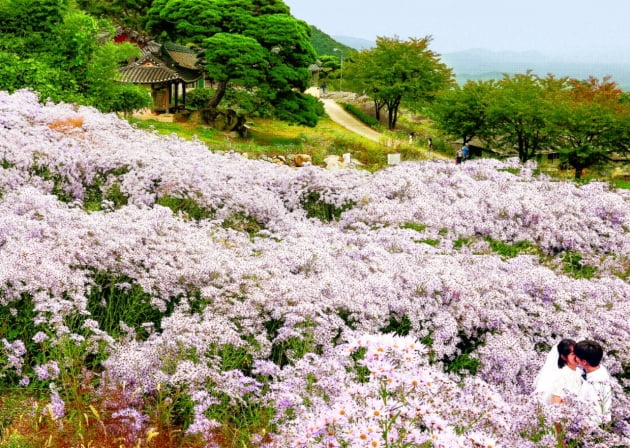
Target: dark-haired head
<point>589,351</point>
<point>565,348</point>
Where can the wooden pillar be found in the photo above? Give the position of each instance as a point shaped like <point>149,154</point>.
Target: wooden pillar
<point>184,94</point>
<point>170,97</point>
<point>176,95</point>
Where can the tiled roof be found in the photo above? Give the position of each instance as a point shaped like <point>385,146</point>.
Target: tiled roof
<point>151,70</point>
<point>146,74</point>
<point>183,56</point>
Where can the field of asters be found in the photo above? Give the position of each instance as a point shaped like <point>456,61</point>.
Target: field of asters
<point>157,285</point>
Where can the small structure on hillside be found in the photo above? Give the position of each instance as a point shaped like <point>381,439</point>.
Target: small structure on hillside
<point>168,70</point>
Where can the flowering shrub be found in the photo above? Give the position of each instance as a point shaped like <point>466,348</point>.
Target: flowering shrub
<point>243,288</point>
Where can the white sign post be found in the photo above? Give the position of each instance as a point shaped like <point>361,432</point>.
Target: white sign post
<point>393,159</point>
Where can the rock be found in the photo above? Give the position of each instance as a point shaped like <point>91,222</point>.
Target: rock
<point>302,160</point>
<point>334,163</point>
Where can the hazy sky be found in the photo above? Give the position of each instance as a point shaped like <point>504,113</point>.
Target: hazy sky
<point>577,29</point>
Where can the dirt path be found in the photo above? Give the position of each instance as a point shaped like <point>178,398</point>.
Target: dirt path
<point>340,116</point>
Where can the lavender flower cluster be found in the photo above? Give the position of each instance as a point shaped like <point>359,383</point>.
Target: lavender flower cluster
<point>413,247</point>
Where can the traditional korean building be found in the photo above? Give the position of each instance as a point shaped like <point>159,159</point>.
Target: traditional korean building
<point>168,70</point>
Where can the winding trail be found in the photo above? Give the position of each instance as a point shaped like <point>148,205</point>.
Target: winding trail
<point>340,116</point>
<point>348,121</point>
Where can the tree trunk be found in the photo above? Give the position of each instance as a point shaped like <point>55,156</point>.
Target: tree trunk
<point>218,95</point>
<point>392,110</point>
<point>377,109</point>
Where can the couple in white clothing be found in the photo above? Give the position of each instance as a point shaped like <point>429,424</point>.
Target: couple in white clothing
<point>573,368</point>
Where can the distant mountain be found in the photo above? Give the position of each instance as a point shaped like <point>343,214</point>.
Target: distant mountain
<point>486,64</point>
<point>355,42</point>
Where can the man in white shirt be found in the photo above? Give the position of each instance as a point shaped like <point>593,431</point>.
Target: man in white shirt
<point>596,389</point>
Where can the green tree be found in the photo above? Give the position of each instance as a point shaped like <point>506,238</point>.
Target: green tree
<point>252,44</point>
<point>462,111</point>
<point>63,54</point>
<point>128,14</point>
<point>398,73</point>
<point>593,121</point>
<point>518,113</point>
<point>102,90</point>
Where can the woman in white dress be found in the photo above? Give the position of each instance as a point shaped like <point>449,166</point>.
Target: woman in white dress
<point>559,375</point>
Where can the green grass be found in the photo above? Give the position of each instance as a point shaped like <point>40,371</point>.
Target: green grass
<point>511,250</point>
<point>621,183</point>
<point>272,137</point>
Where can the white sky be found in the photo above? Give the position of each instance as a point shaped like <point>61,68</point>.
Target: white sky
<point>590,31</point>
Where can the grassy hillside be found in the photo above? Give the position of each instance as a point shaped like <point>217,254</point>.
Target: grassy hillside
<point>326,45</point>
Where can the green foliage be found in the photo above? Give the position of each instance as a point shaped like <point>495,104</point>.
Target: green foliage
<point>414,226</point>
<point>188,207</point>
<point>15,441</point>
<point>586,122</point>
<point>398,326</point>
<point>295,107</point>
<point>17,72</point>
<point>199,98</point>
<point>17,322</point>
<point>518,113</point>
<point>511,250</point>
<point>247,44</point>
<point>461,242</point>
<point>461,111</point>
<point>621,183</point>
<point>230,57</point>
<point>243,223</point>
<point>574,266</point>
<point>37,19</point>
<point>464,361</point>
<point>514,171</point>
<point>362,116</point>
<point>316,207</point>
<point>124,98</point>
<point>326,45</point>
<point>95,192</point>
<point>398,73</point>
<point>240,420</point>
<point>94,197</point>
<point>362,372</point>
<point>130,14</point>
<point>430,241</point>
<point>63,53</point>
<point>114,298</point>
<point>593,119</point>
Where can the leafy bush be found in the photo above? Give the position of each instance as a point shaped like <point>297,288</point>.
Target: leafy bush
<point>362,116</point>
<point>115,300</point>
<point>574,266</point>
<point>510,250</point>
<point>295,107</point>
<point>188,206</point>
<point>317,208</point>
<point>198,98</point>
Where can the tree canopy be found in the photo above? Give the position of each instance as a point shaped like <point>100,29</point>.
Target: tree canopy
<point>396,73</point>
<point>252,44</point>
<point>593,120</point>
<point>518,113</point>
<point>461,111</point>
<point>587,122</point>
<point>64,54</point>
